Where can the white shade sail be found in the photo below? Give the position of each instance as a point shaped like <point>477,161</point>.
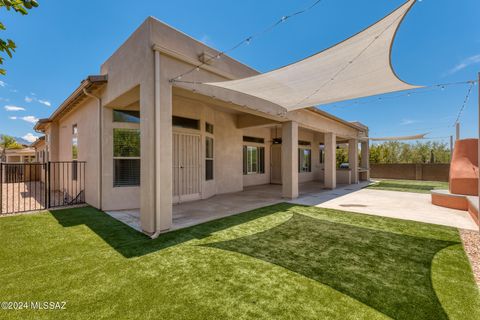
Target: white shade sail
<point>415,137</point>
<point>357,67</point>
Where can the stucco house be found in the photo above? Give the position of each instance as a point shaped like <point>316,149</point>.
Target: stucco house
<point>150,144</point>
<point>20,155</point>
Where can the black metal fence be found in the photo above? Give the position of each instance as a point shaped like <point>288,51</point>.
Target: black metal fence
<point>36,186</point>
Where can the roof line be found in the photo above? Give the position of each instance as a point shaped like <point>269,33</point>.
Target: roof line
<point>73,97</point>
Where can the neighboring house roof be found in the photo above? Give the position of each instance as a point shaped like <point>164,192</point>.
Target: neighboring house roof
<point>91,83</point>
<point>23,151</point>
<point>38,142</point>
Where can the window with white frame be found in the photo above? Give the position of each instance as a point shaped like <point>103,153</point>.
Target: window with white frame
<point>126,157</point>
<point>253,160</point>
<point>304,160</point>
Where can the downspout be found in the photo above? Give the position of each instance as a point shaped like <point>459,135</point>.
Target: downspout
<point>156,218</point>
<point>100,144</point>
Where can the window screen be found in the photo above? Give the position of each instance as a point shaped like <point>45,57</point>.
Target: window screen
<point>127,172</point>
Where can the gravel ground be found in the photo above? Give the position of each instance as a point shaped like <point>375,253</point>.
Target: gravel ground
<point>471,243</point>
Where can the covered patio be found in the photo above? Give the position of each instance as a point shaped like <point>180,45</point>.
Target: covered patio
<point>353,198</point>
<point>195,212</point>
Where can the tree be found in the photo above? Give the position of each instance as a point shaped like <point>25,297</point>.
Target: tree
<point>401,152</point>
<point>7,142</point>
<point>8,46</point>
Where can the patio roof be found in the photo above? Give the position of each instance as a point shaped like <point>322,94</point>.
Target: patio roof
<point>357,67</point>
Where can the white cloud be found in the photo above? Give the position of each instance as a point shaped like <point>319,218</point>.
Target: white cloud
<point>31,119</point>
<point>45,102</point>
<point>30,137</point>
<point>12,118</point>
<point>42,101</point>
<point>464,64</point>
<point>2,84</point>
<point>13,108</point>
<point>406,122</point>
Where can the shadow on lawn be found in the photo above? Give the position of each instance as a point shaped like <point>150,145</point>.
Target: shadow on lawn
<point>387,271</point>
<point>131,243</point>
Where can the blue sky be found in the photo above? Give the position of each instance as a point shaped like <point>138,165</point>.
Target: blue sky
<point>62,42</point>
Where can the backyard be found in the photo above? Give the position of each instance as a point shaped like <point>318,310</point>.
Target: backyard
<point>280,261</point>
<point>408,185</point>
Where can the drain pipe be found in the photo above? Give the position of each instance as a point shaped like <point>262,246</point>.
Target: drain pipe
<point>156,217</point>
<point>100,144</point>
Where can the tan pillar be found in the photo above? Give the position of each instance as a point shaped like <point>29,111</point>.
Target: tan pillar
<point>156,151</point>
<point>163,149</point>
<point>353,159</point>
<point>147,159</point>
<point>365,164</point>
<point>330,160</point>
<point>290,160</point>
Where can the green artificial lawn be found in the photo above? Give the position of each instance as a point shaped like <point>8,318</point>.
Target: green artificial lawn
<point>408,185</point>
<point>278,262</point>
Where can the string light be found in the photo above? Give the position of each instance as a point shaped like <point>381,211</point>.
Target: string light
<point>412,92</point>
<point>247,40</point>
<point>464,102</point>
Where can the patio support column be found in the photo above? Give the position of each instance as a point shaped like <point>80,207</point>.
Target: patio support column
<point>353,159</point>
<point>163,149</point>
<point>330,160</point>
<point>156,151</point>
<point>365,162</point>
<point>290,160</point>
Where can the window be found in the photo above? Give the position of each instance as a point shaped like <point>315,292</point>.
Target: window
<point>253,160</point>
<point>186,123</point>
<point>131,116</point>
<point>303,143</point>
<point>209,127</point>
<point>304,160</point>
<point>208,158</point>
<point>74,142</point>
<point>322,153</point>
<point>126,157</point>
<point>253,139</point>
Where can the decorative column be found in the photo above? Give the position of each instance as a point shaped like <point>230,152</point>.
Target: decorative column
<point>353,159</point>
<point>330,160</point>
<point>290,160</point>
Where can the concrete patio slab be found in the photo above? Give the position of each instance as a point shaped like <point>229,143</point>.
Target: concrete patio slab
<point>354,198</point>
<point>394,204</point>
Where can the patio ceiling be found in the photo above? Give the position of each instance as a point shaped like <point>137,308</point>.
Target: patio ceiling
<point>357,67</point>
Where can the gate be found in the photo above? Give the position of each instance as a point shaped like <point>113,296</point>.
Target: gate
<point>36,186</point>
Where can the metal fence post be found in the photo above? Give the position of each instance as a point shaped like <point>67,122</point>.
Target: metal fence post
<point>47,185</point>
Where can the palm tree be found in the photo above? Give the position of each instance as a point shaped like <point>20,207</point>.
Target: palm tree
<point>7,142</point>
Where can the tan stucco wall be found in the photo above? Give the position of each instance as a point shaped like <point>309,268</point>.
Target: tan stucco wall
<point>85,117</point>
